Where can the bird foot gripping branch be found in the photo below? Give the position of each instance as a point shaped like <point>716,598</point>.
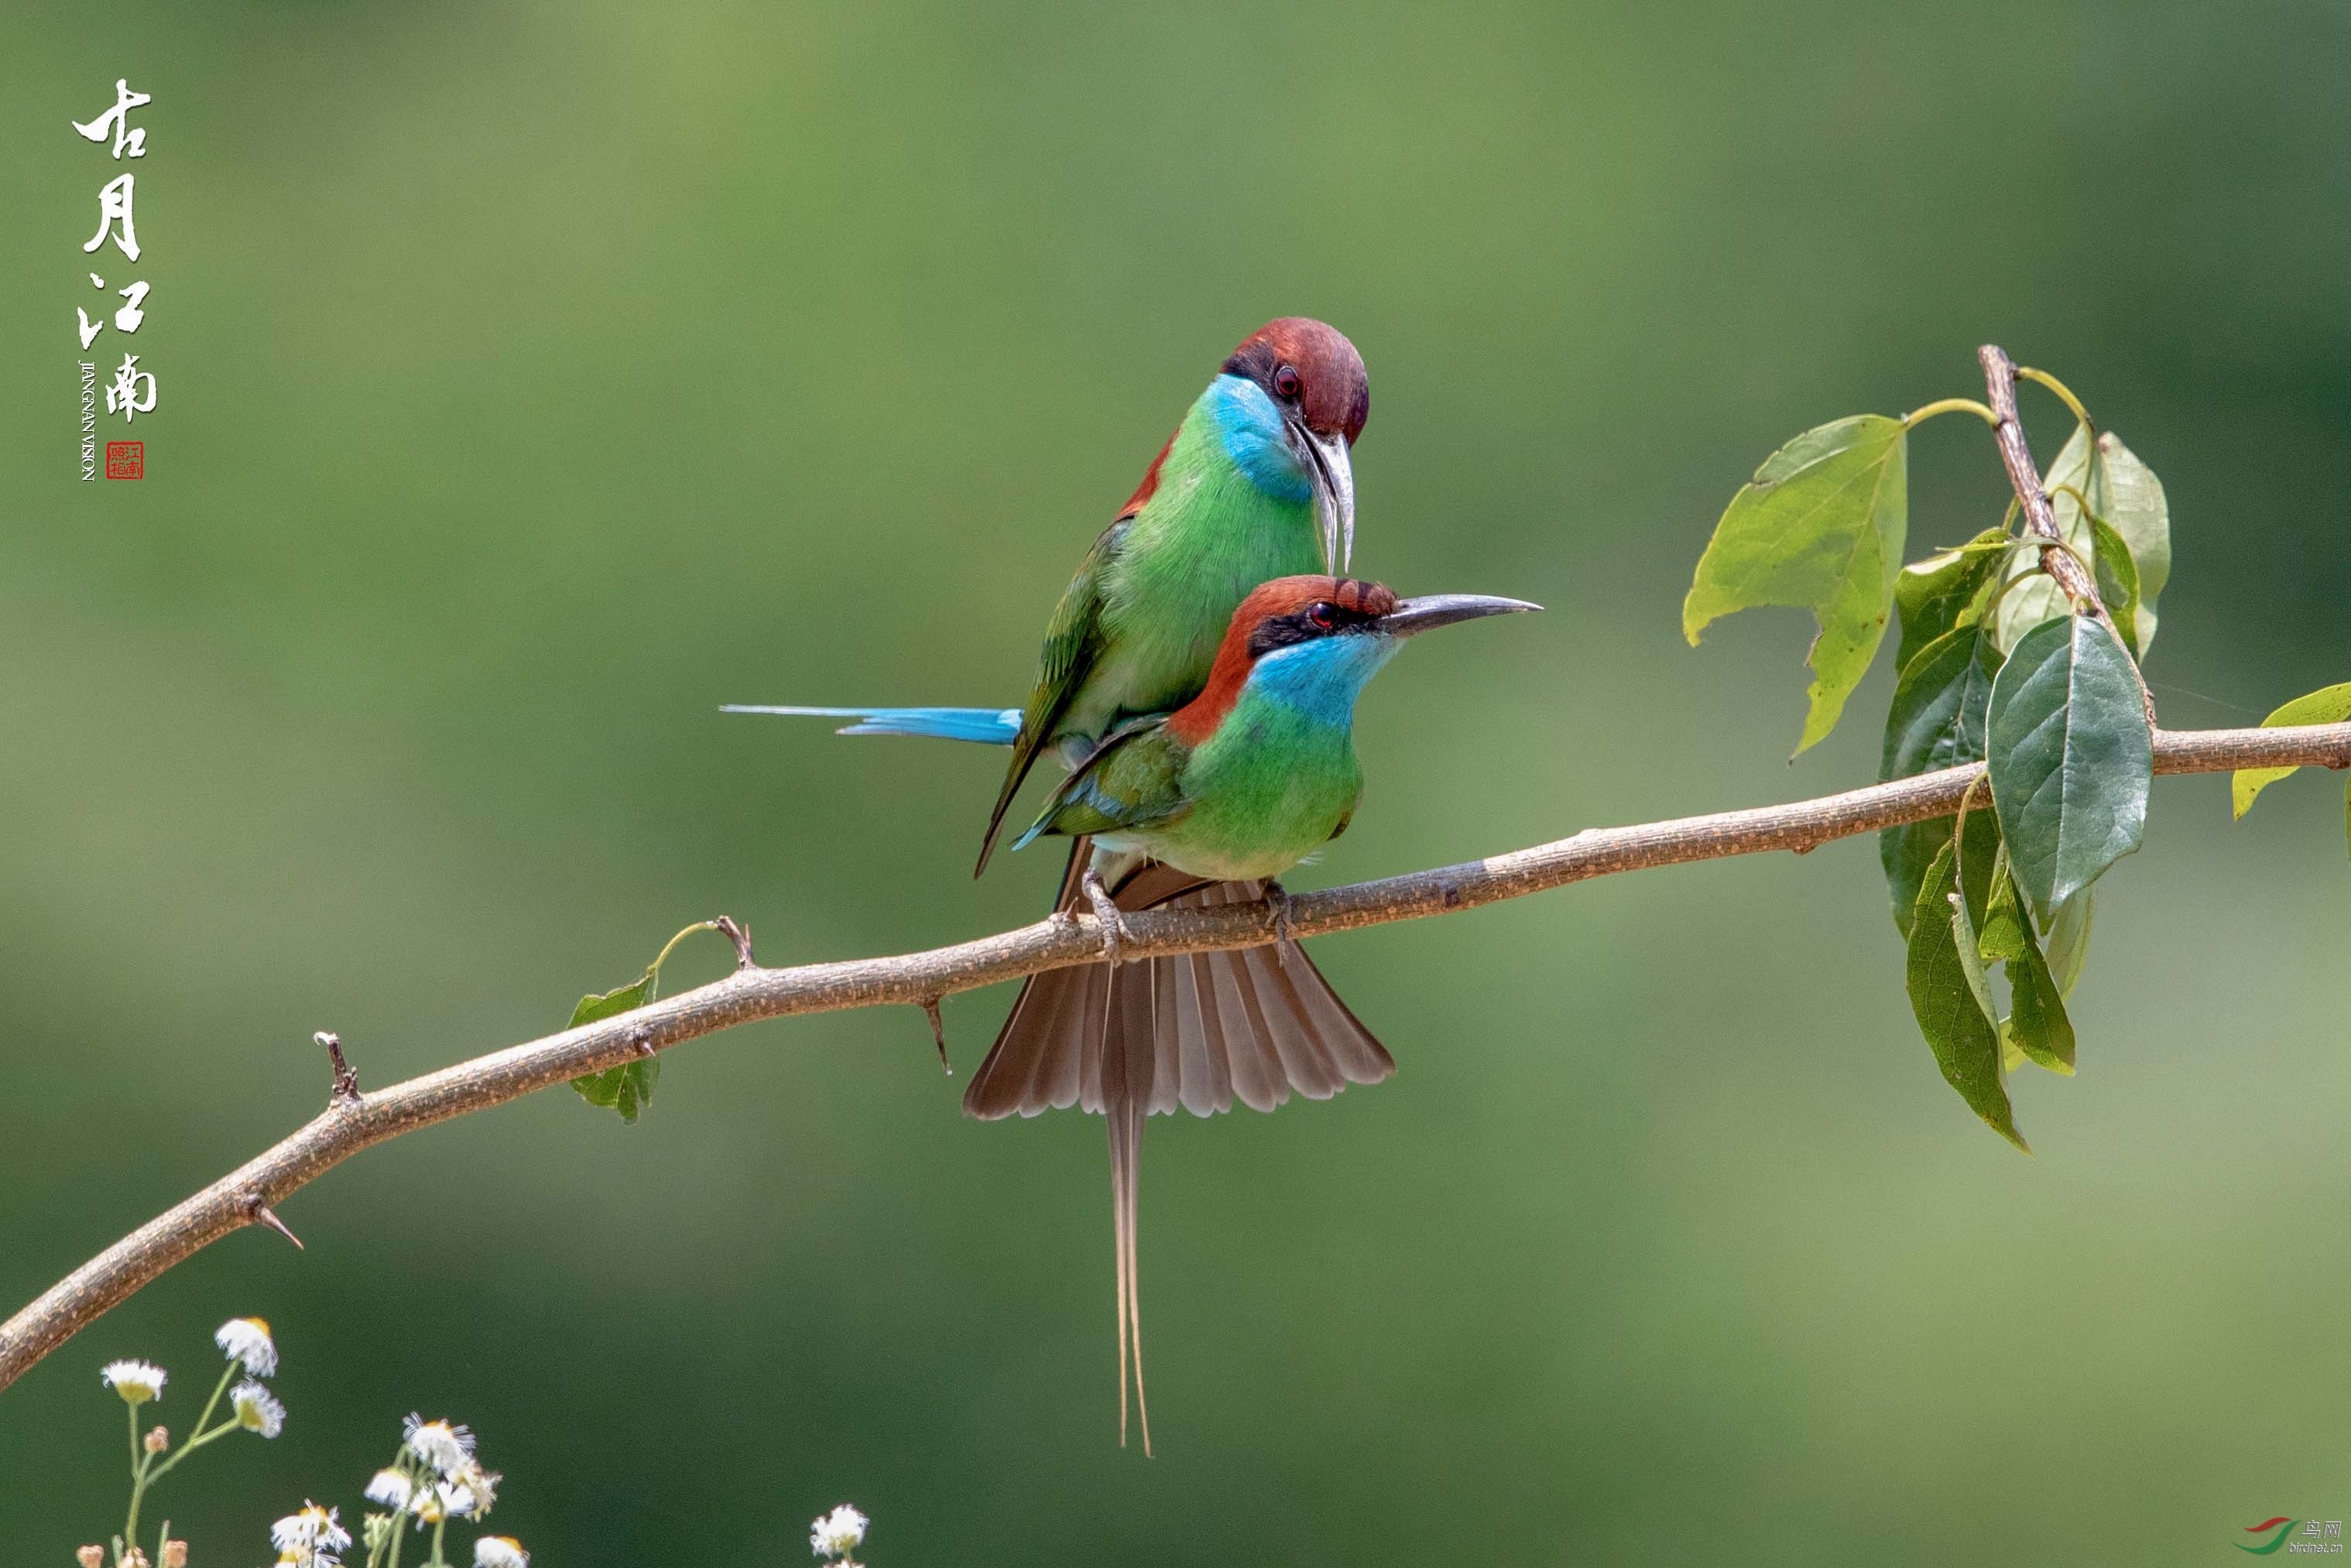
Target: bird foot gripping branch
<point>1113,929</point>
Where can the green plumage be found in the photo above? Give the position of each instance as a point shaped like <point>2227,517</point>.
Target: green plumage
<point>1138,627</point>
<point>1268,789</point>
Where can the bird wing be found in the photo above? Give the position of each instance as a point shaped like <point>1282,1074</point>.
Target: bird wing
<point>1132,778</point>
<point>1198,1029</point>
<point>1072,643</point>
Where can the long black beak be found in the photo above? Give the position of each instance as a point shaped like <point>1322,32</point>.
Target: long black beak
<point>1417,615</point>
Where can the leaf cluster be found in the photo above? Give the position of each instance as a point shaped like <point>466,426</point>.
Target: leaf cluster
<point>1994,664</point>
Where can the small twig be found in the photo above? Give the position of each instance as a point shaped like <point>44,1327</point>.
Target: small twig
<point>748,995</point>
<point>268,1216</point>
<point>346,1091</point>
<point>938,1031</point>
<point>741,937</point>
<point>2064,568</point>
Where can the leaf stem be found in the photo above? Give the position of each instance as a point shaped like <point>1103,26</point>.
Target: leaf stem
<point>1951,405</point>
<point>654,968</point>
<point>2079,500</point>
<point>2065,394</point>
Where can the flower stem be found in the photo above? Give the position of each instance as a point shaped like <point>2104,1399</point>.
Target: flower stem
<point>140,1461</point>
<point>200,1437</point>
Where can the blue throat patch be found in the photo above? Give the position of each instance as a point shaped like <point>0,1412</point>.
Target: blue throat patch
<point>1251,429</point>
<point>1321,679</point>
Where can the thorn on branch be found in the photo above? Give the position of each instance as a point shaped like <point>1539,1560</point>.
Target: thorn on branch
<point>641,1039</point>
<point>741,937</point>
<point>346,1090</point>
<point>267,1215</point>
<point>938,1033</point>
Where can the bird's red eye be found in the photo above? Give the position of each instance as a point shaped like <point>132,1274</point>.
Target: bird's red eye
<point>1322,616</point>
<point>1285,381</point>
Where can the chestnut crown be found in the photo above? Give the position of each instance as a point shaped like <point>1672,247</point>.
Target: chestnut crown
<point>1311,370</point>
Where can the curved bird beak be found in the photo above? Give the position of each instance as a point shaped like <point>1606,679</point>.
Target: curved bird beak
<point>1417,615</point>
<point>1334,493</point>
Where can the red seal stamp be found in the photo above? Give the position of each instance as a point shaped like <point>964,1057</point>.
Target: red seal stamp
<point>126,460</point>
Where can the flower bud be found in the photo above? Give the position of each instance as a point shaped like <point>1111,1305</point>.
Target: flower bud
<point>90,1556</point>
<point>158,1440</point>
<point>176,1554</point>
<point>134,1558</point>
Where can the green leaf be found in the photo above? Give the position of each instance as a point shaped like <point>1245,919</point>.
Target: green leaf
<point>1820,528</point>
<point>2068,947</point>
<point>2071,759</point>
<point>2004,934</point>
<point>1937,720</point>
<point>2328,705</point>
<point>1944,997</point>
<point>1971,965</point>
<point>2122,491</point>
<point>628,1088</point>
<point>2037,1024</point>
<point>1936,594</point>
<point>2127,494</point>
<point>2117,581</point>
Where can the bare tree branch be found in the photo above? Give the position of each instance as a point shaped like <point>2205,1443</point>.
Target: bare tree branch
<point>352,1121</point>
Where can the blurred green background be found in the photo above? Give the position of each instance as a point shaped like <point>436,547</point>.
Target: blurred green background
<point>535,378</point>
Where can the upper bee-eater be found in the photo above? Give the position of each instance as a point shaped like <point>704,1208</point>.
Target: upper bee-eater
<point>1256,483</point>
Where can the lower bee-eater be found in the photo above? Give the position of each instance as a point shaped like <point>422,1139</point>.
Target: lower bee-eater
<point>1218,798</point>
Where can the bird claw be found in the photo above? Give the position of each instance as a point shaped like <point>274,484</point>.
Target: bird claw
<point>1277,898</point>
<point>1113,929</point>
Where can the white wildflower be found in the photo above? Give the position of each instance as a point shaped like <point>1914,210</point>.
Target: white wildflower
<point>136,1381</point>
<point>443,1447</point>
<point>390,1488</point>
<point>248,1340</point>
<point>456,1499</point>
<point>837,1534</point>
<point>257,1409</point>
<point>500,1551</point>
<point>309,1536</point>
<point>482,1484</point>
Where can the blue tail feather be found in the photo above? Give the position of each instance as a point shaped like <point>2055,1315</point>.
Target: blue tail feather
<point>986,725</point>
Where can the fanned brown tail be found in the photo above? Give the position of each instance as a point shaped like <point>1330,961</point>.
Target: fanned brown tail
<point>1198,1030</point>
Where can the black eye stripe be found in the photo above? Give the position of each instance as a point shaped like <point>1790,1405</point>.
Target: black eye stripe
<point>1287,631</point>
